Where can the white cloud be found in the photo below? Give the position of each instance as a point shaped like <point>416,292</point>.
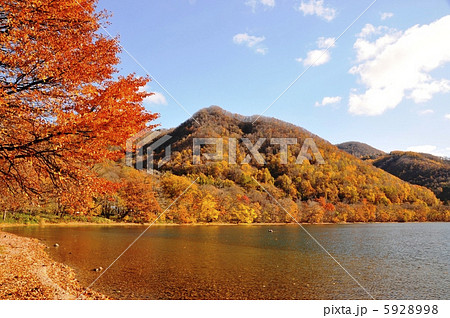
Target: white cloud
<point>251,41</point>
<point>447,116</point>
<point>325,43</point>
<point>386,15</point>
<point>423,92</point>
<point>440,152</point>
<point>369,30</point>
<point>261,50</point>
<point>316,7</point>
<point>366,50</point>
<point>269,3</point>
<point>397,66</point>
<point>255,3</point>
<point>422,148</point>
<point>321,55</point>
<point>426,112</point>
<point>156,99</point>
<point>329,101</point>
<point>315,58</point>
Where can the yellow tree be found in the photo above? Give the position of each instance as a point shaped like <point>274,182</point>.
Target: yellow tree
<point>208,209</point>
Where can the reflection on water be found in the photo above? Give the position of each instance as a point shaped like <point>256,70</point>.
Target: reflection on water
<point>392,261</point>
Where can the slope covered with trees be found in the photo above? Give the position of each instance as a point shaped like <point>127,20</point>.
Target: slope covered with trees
<point>342,189</point>
<point>419,168</point>
<point>360,150</point>
<point>422,169</point>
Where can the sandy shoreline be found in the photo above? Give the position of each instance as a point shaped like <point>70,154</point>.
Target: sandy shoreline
<point>27,272</point>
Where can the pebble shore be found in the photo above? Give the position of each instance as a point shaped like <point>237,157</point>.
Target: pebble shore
<point>27,272</point>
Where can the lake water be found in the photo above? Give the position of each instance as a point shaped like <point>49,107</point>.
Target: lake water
<point>391,261</point>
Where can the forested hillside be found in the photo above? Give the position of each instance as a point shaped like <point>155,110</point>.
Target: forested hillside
<point>342,189</point>
<point>422,169</point>
<point>360,150</point>
<point>419,168</point>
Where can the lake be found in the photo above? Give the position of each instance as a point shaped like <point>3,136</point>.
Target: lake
<point>391,261</point>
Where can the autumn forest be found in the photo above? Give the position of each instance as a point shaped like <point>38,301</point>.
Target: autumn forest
<point>65,118</point>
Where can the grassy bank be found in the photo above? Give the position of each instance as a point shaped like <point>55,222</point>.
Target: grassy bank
<point>19,218</point>
<point>47,218</point>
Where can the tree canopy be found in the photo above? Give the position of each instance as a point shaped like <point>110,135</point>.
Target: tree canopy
<point>62,107</point>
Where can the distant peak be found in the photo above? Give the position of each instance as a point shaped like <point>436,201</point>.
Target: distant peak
<point>360,150</point>
<point>219,111</point>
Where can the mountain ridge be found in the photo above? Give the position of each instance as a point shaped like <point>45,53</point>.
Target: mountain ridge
<point>422,169</point>
<point>360,150</point>
<point>218,123</point>
<point>244,189</point>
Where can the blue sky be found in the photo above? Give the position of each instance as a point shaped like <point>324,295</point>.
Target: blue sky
<point>385,81</point>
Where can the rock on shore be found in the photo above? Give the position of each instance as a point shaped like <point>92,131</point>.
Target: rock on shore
<point>27,272</point>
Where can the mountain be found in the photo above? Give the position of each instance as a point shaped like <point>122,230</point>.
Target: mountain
<point>360,150</point>
<point>344,188</point>
<point>419,168</point>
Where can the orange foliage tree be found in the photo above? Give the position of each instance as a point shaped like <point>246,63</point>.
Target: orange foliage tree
<point>62,109</point>
<point>138,196</point>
